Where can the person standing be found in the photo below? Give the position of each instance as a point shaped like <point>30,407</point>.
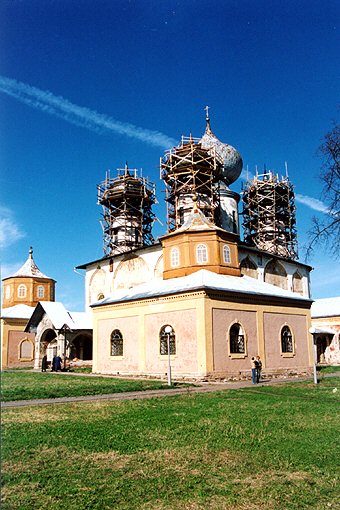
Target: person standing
<point>253,370</point>
<point>258,369</point>
<point>57,365</point>
<point>44,363</point>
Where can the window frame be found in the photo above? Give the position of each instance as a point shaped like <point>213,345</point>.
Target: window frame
<point>226,250</point>
<point>116,336</point>
<point>22,287</point>
<point>25,358</point>
<point>40,291</point>
<point>287,354</point>
<point>163,342</point>
<point>239,354</point>
<point>202,253</point>
<point>174,257</point>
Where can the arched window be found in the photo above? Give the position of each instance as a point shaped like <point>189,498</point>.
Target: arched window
<point>226,254</point>
<point>116,343</point>
<point>164,337</point>
<point>297,283</point>
<point>286,340</point>
<point>41,291</point>
<point>201,254</point>
<point>248,267</point>
<point>22,291</point>
<point>26,350</point>
<point>276,274</point>
<point>174,257</point>
<point>236,339</point>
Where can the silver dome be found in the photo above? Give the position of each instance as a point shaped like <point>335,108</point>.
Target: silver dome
<point>228,155</point>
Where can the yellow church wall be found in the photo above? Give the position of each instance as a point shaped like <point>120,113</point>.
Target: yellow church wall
<point>201,323</point>
<point>262,326</point>
<point>12,334</point>
<point>183,323</point>
<point>140,323</point>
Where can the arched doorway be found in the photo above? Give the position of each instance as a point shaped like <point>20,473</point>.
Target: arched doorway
<point>82,347</point>
<point>321,346</point>
<point>49,344</point>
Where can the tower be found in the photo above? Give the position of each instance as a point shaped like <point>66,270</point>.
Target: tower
<point>269,221</point>
<point>201,170</point>
<point>127,217</point>
<point>27,286</point>
<point>190,172</point>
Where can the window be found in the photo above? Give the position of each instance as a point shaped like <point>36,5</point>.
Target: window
<point>163,341</point>
<point>201,254</point>
<point>286,340</point>
<point>41,291</point>
<point>174,257</point>
<point>116,343</point>
<point>8,291</point>
<point>100,296</point>
<point>226,254</point>
<point>236,339</point>
<point>297,283</point>
<point>22,291</point>
<point>26,350</point>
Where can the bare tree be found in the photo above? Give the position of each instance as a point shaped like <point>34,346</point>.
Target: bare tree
<point>327,229</point>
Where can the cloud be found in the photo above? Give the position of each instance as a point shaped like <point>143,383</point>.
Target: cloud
<point>312,203</point>
<point>81,116</point>
<point>9,230</point>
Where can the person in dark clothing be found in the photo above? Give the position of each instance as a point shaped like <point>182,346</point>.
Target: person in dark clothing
<point>44,363</point>
<point>258,369</point>
<point>57,364</point>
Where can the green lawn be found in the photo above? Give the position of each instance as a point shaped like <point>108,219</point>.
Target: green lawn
<point>18,385</point>
<point>265,448</point>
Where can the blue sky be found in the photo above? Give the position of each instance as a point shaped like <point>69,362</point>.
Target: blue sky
<point>87,85</point>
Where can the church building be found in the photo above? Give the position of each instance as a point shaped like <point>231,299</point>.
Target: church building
<point>199,301</point>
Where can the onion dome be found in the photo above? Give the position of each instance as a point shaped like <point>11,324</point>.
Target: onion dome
<point>228,155</point>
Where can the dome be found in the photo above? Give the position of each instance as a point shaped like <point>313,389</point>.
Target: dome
<point>231,158</point>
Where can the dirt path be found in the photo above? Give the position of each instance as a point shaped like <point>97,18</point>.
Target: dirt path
<point>132,395</point>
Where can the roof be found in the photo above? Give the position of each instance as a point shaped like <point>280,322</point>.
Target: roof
<point>29,269</point>
<point>17,312</point>
<point>202,279</point>
<point>327,307</point>
<point>59,316</point>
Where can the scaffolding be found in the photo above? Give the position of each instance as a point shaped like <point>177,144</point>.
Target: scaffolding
<point>127,216</point>
<point>269,221</point>
<point>190,172</point>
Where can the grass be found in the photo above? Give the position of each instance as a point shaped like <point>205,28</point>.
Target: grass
<point>328,369</point>
<point>19,385</point>
<point>268,448</point>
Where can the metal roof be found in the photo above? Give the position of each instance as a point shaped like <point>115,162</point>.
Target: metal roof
<point>202,279</point>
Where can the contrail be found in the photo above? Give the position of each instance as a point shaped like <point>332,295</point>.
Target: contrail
<point>312,203</point>
<point>81,116</point>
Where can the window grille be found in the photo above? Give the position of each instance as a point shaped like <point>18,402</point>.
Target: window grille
<point>41,291</point>
<point>201,254</point>
<point>116,343</point>
<point>174,257</point>
<point>226,254</point>
<point>236,339</point>
<point>163,341</point>
<point>22,291</point>
<point>286,340</point>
